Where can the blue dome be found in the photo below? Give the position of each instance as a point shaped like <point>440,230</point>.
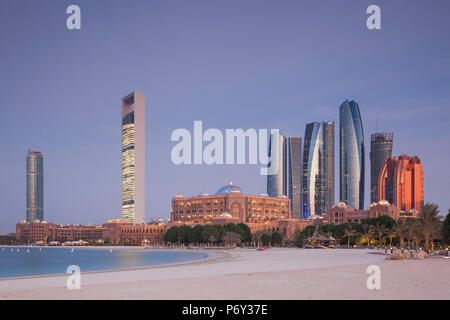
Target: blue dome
<point>229,188</point>
<point>203,194</point>
<point>263,194</point>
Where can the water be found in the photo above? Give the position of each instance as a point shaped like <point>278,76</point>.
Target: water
<point>42,261</point>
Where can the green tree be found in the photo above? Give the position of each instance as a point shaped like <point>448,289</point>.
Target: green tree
<point>349,232</point>
<point>265,239</point>
<point>445,230</point>
<point>276,238</point>
<point>210,234</point>
<point>429,223</point>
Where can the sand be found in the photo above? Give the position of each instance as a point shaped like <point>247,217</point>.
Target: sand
<point>284,273</point>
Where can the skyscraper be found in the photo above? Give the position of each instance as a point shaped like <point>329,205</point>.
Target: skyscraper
<point>380,150</point>
<point>318,168</point>
<point>35,186</point>
<point>133,158</point>
<point>295,176</point>
<point>401,183</point>
<point>329,163</point>
<point>276,182</point>
<point>351,154</point>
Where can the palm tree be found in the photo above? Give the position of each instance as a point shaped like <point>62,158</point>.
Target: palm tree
<point>392,233</point>
<point>380,230</point>
<point>367,234</point>
<point>401,229</point>
<point>349,232</point>
<point>429,223</point>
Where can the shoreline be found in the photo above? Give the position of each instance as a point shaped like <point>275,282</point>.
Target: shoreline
<point>278,273</point>
<point>210,256</point>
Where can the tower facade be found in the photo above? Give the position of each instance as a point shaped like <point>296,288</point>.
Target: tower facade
<point>133,158</point>
<point>401,183</point>
<point>351,155</point>
<point>276,179</point>
<point>295,176</point>
<point>380,150</point>
<point>35,186</point>
<point>318,168</point>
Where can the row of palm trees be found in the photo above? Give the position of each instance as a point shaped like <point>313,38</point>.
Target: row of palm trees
<point>425,228</point>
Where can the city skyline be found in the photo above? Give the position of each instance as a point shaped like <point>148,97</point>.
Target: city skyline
<point>252,73</point>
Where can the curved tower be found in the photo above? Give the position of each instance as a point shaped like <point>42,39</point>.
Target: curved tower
<point>318,165</point>
<point>351,155</point>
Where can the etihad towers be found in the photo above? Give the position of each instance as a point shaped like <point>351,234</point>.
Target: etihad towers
<point>276,179</point>
<point>351,155</point>
<point>133,158</point>
<point>318,168</point>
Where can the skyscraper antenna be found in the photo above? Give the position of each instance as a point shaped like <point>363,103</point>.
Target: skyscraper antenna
<point>376,125</point>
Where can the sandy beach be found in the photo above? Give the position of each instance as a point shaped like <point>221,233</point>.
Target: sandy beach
<point>284,273</point>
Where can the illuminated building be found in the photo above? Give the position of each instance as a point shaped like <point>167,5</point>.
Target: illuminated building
<point>295,176</point>
<point>401,183</point>
<point>351,154</point>
<point>231,204</point>
<point>35,186</point>
<point>276,182</point>
<point>133,158</point>
<point>342,213</point>
<point>318,168</point>
<point>380,150</point>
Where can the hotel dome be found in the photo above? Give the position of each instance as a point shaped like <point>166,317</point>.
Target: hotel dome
<point>230,188</point>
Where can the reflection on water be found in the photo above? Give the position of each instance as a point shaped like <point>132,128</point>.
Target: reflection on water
<point>35,261</point>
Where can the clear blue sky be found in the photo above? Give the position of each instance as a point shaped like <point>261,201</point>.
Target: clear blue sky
<point>232,64</point>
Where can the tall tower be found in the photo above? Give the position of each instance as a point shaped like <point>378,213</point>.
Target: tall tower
<point>276,179</point>
<point>401,183</point>
<point>351,154</point>
<point>295,176</point>
<point>380,150</point>
<point>133,158</point>
<point>329,163</point>
<point>35,186</point>
<point>318,168</point>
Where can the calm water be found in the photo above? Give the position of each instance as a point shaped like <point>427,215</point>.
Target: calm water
<point>56,260</point>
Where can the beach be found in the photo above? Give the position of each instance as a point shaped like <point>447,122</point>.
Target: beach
<point>277,273</point>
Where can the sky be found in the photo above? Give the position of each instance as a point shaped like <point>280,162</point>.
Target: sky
<point>231,64</point>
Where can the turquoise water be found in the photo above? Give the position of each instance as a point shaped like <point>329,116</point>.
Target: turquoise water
<point>30,261</point>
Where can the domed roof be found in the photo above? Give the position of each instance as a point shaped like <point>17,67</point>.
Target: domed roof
<point>341,204</point>
<point>383,202</point>
<point>314,216</point>
<point>203,194</point>
<point>263,194</point>
<point>230,188</point>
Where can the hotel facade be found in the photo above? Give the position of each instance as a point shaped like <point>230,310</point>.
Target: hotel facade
<point>231,204</point>
<point>133,158</point>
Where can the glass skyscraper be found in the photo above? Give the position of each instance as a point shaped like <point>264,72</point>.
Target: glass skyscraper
<point>295,176</point>
<point>318,168</point>
<point>133,158</point>
<point>35,186</point>
<point>380,150</point>
<point>276,179</point>
<point>351,154</point>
